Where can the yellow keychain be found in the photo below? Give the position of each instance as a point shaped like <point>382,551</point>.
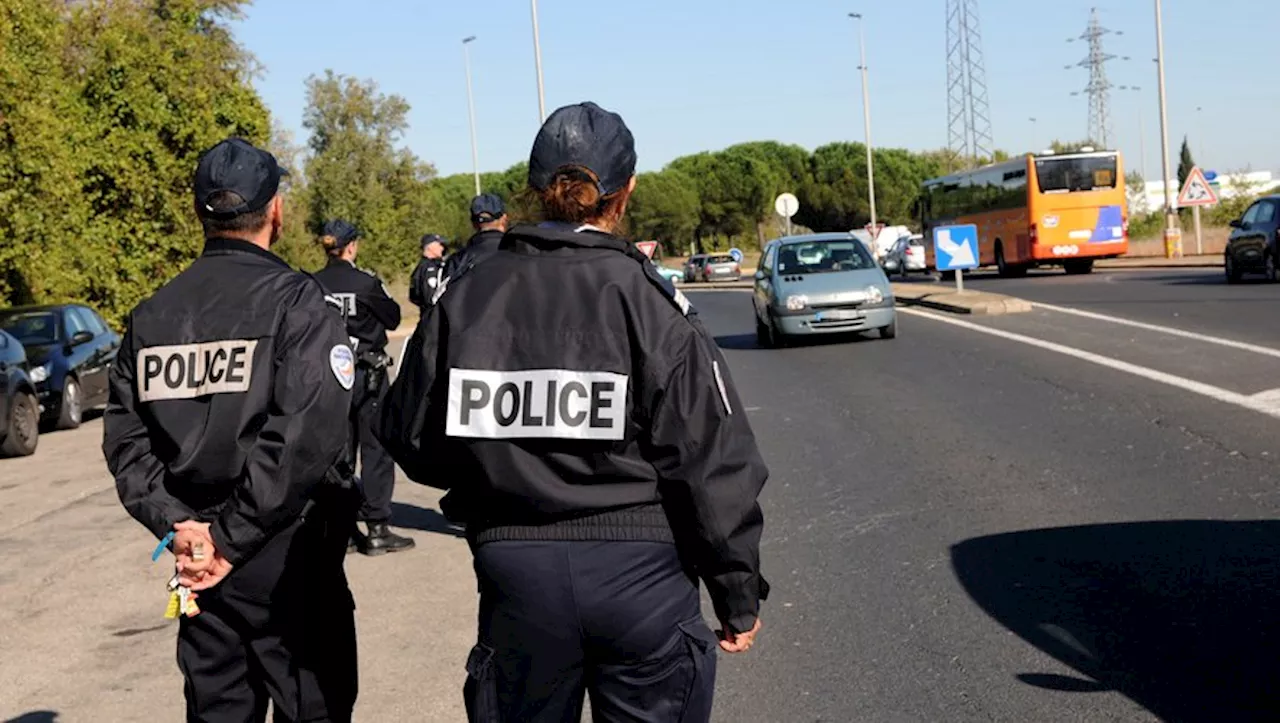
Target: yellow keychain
<point>171,611</point>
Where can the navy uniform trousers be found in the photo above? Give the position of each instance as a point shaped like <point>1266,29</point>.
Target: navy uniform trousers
<point>279,629</point>
<point>616,621</point>
<point>377,469</point>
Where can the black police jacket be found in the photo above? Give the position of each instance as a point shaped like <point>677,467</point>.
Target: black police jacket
<point>423,281</point>
<point>368,308</point>
<point>563,390</point>
<point>229,401</point>
<point>479,247</point>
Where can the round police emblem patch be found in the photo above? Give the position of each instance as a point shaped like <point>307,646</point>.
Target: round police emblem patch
<point>343,363</point>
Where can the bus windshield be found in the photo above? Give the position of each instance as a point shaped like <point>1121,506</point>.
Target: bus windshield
<point>1074,175</point>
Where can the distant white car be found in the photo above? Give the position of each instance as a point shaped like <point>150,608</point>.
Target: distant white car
<point>905,256</point>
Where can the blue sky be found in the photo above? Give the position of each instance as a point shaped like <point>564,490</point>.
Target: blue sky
<point>692,75</point>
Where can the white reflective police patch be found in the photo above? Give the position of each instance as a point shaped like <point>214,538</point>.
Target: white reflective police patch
<point>444,284</point>
<point>724,393</point>
<point>540,403</point>
<point>188,371</point>
<point>344,303</point>
<point>682,301</point>
<point>432,282</point>
<point>343,363</point>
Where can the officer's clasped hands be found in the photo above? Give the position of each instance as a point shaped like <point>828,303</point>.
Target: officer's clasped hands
<point>198,562</point>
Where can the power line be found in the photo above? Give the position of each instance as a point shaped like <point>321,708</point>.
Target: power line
<point>1099,88</point>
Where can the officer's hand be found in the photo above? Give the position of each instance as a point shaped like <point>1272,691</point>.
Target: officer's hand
<point>216,573</point>
<point>193,549</point>
<point>738,642</point>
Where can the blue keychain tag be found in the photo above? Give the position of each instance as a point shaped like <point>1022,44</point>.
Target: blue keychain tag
<point>164,543</point>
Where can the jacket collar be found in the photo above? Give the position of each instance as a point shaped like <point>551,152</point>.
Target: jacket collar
<point>547,237</point>
<point>220,246</point>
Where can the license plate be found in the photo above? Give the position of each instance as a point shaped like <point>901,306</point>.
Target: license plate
<point>840,315</point>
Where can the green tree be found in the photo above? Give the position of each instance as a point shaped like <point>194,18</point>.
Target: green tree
<point>665,207</point>
<point>1185,163</point>
<point>356,170</point>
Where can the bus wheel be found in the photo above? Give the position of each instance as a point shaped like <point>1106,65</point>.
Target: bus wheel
<point>1084,266</point>
<point>1007,270</point>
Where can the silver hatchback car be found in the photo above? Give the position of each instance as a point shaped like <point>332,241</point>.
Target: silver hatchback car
<point>820,284</point>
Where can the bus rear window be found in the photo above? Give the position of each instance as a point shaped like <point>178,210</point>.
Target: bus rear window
<point>1073,175</point>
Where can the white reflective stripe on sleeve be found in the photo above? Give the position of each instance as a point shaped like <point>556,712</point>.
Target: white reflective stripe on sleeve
<point>537,404</point>
<point>724,393</point>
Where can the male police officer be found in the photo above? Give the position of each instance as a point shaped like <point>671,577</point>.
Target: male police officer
<point>370,312</point>
<point>227,410</point>
<point>426,275</point>
<point>489,219</point>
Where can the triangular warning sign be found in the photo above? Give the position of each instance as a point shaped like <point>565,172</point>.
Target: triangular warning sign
<point>1197,192</point>
<point>647,247</point>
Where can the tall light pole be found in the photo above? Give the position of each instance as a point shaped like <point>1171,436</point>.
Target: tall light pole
<point>537,61</point>
<point>471,110</point>
<point>866,119</point>
<point>1170,216</point>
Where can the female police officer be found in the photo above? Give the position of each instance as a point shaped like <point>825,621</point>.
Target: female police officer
<point>591,440</point>
<point>369,311</point>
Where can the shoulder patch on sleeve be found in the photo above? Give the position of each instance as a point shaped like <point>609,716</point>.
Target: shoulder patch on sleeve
<point>674,295</point>
<point>343,363</point>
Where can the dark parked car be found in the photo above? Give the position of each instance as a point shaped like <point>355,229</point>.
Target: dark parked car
<point>693,267</point>
<point>70,350</point>
<point>19,410</point>
<point>1252,247</point>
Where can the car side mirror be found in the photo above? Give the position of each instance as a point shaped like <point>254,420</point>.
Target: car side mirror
<point>81,337</point>
<point>759,275</point>
<point>1236,223</point>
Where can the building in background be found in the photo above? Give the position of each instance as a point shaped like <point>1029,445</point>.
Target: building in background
<point>1226,186</point>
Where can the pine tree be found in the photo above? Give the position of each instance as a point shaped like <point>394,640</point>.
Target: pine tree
<point>1185,163</point>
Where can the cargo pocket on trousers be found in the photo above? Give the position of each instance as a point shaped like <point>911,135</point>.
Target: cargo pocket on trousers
<point>481,690</point>
<point>702,645</point>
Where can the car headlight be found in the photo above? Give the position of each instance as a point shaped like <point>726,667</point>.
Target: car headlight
<point>875,295</point>
<point>39,374</point>
<point>797,302</point>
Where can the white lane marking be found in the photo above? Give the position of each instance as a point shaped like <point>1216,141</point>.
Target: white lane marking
<point>1256,349</point>
<point>1265,403</point>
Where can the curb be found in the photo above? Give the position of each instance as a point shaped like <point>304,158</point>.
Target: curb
<point>978,303</point>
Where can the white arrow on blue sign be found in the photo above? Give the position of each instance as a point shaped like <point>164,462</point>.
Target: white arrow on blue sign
<point>956,247</point>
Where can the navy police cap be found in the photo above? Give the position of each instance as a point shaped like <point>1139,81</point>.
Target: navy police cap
<point>236,166</point>
<point>584,136</point>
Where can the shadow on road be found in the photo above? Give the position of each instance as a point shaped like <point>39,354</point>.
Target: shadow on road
<point>417,518</point>
<point>35,716</point>
<point>747,342</point>
<point>1181,617</point>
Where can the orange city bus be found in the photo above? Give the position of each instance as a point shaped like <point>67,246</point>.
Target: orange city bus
<point>1038,210</point>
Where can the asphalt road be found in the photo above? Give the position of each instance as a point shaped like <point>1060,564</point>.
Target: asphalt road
<point>1038,517</point>
<point>969,527</point>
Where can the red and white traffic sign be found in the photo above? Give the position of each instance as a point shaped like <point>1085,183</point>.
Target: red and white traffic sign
<point>875,231</point>
<point>648,248</point>
<point>1197,191</point>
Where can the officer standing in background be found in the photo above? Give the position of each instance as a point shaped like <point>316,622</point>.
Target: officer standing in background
<point>489,219</point>
<point>227,410</point>
<point>426,275</point>
<point>586,427</point>
<point>370,312</point>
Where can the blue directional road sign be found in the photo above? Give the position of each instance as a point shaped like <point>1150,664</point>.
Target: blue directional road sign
<point>956,247</point>
<point>736,255</point>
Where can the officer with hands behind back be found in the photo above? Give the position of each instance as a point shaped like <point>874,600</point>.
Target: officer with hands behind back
<point>227,410</point>
<point>426,275</point>
<point>370,312</point>
<point>591,439</point>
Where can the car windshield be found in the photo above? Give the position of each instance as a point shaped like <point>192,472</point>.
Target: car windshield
<point>32,328</point>
<point>1074,175</point>
<point>820,257</point>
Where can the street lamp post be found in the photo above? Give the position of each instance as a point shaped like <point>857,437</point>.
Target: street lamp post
<point>1172,248</point>
<point>537,61</point>
<point>866,119</point>
<point>471,110</point>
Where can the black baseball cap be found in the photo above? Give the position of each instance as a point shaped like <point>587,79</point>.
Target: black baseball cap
<point>584,136</point>
<point>433,238</point>
<point>487,207</point>
<point>343,231</point>
<point>237,166</point>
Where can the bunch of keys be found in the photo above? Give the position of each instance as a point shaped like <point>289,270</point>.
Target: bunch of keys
<point>180,602</point>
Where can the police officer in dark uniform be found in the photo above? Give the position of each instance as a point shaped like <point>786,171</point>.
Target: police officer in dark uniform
<point>586,427</point>
<point>489,219</point>
<point>227,412</point>
<point>426,275</point>
<point>370,312</point>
